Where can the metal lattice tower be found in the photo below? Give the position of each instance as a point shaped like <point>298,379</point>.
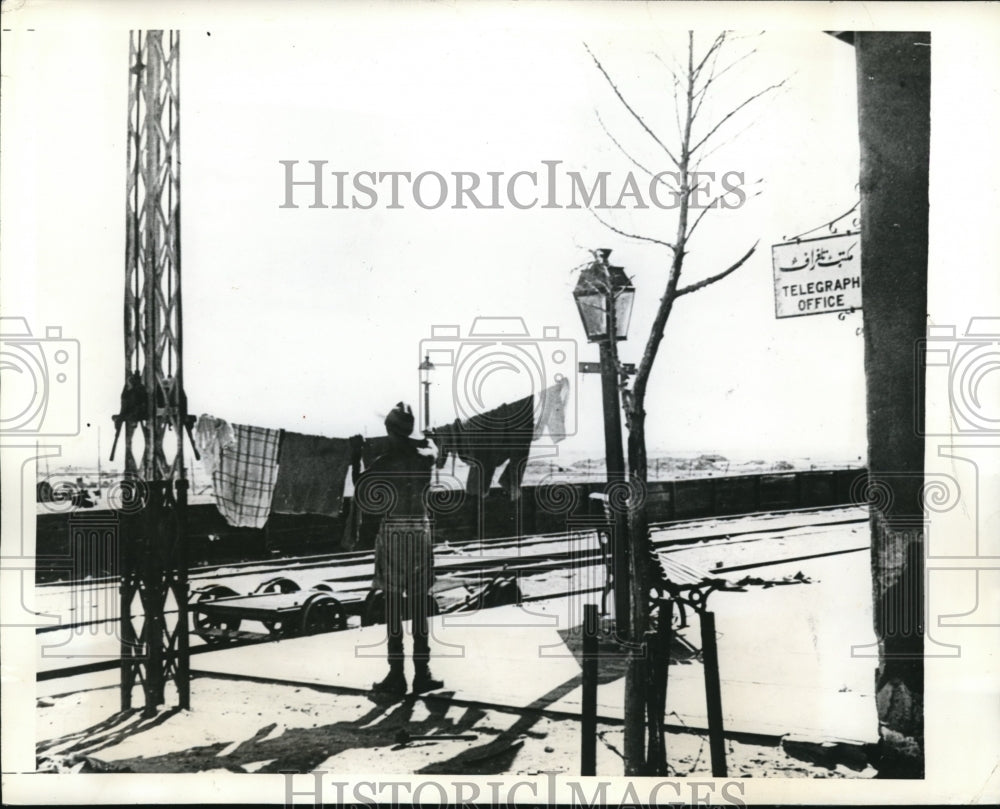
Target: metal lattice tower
<point>154,585</point>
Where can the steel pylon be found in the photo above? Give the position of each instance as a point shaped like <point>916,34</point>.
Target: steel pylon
<point>153,564</point>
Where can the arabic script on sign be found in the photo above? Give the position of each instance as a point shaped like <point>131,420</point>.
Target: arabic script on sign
<point>813,276</point>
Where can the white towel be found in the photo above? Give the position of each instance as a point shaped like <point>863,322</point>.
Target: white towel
<point>211,436</point>
<point>552,413</point>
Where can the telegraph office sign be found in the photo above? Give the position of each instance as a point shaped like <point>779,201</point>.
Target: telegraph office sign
<point>813,276</point>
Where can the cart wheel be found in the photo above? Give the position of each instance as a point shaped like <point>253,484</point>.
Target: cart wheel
<point>204,624</point>
<point>322,613</point>
<point>373,611</point>
<point>276,629</point>
<point>281,584</point>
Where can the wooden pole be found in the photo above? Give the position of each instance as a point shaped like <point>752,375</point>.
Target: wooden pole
<point>665,640</point>
<point>654,714</point>
<point>588,715</point>
<point>713,695</point>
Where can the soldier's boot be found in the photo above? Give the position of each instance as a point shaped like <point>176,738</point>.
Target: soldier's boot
<point>394,683</point>
<point>423,680</point>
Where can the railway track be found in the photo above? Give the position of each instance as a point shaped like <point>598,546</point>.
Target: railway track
<point>348,574</point>
<point>664,536</point>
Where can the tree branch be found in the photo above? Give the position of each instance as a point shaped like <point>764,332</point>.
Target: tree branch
<point>628,106</point>
<point>609,226</point>
<point>733,112</point>
<point>703,92</point>
<point>677,83</point>
<point>713,48</point>
<point>632,159</point>
<point>714,76</point>
<point>723,143</point>
<point>704,211</point>
<point>701,284</point>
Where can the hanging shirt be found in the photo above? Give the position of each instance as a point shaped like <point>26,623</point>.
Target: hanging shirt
<point>489,439</point>
<point>449,441</point>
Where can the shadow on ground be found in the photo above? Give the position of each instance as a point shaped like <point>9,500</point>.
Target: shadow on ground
<point>293,749</point>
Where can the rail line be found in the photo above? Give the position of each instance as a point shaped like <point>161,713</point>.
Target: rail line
<point>478,567</point>
<point>483,567</point>
<point>347,558</point>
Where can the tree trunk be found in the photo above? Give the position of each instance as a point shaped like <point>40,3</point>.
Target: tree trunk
<point>641,560</point>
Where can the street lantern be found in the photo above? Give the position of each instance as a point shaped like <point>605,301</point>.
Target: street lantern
<point>425,369</point>
<point>604,297</point>
<point>596,284</point>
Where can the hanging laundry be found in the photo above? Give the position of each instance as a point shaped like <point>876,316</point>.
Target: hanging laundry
<point>210,436</point>
<point>486,441</point>
<point>357,445</point>
<point>245,476</point>
<point>352,522</point>
<point>372,448</point>
<point>311,474</point>
<point>448,439</point>
<point>552,411</point>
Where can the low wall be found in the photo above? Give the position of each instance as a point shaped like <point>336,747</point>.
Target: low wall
<point>84,542</point>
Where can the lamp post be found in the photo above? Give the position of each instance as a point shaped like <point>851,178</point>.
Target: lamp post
<point>425,379</point>
<point>604,297</point>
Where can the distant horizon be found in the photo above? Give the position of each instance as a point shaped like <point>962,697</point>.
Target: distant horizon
<point>563,459</point>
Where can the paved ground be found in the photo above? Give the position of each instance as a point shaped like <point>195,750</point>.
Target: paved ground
<point>246,726</point>
<point>710,543</point>
<point>786,662</point>
<point>785,658</point>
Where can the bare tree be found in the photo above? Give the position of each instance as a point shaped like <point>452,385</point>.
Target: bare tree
<point>696,138</point>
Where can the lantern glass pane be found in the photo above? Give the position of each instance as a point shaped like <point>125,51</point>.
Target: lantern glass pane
<point>623,312</point>
<point>592,314</point>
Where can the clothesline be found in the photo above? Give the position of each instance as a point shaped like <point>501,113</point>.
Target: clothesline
<point>257,471</point>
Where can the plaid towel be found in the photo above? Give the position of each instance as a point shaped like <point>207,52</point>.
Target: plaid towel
<point>245,477</point>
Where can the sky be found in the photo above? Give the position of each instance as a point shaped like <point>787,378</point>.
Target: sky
<point>315,320</point>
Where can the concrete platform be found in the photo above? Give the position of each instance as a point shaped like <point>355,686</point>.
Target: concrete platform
<point>785,658</point>
<point>712,544</point>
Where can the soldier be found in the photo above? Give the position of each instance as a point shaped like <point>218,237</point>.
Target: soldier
<point>395,486</point>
